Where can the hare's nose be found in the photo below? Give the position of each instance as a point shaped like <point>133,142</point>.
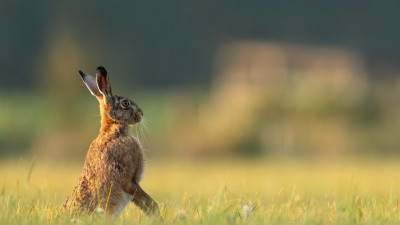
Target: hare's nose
<point>140,113</point>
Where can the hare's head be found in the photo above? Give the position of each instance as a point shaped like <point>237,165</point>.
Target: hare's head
<point>116,108</point>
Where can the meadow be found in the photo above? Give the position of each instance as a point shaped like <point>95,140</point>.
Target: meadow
<point>300,151</point>
<point>229,191</point>
<point>254,113</point>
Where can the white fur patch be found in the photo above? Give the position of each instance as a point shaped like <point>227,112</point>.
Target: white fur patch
<point>126,198</point>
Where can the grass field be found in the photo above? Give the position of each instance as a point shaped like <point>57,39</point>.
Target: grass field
<point>219,192</point>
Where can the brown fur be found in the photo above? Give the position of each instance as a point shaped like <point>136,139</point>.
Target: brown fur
<point>114,161</point>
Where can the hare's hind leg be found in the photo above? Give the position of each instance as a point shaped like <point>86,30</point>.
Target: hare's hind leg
<point>144,201</point>
<point>125,199</point>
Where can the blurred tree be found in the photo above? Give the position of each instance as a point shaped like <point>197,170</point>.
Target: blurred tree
<point>152,43</point>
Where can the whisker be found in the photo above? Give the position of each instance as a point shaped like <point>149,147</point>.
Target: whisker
<point>137,134</point>
<point>145,125</point>
<point>144,135</point>
<point>146,121</point>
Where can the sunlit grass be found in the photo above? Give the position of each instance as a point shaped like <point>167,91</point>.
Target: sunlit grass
<point>218,192</point>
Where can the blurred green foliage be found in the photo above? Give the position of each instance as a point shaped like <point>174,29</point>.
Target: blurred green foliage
<point>213,78</point>
<point>290,123</point>
<point>162,44</point>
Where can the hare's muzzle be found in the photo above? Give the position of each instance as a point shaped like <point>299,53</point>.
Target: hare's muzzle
<point>138,116</point>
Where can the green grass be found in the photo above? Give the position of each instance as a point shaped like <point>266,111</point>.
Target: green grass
<point>218,192</point>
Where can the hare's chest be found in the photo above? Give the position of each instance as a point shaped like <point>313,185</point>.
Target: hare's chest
<point>127,152</point>
<point>136,159</point>
<point>131,150</point>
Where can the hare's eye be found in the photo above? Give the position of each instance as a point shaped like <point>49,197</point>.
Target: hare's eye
<point>125,103</point>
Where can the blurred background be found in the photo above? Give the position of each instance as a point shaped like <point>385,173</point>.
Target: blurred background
<point>226,79</point>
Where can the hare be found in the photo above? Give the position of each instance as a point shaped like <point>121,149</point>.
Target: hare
<point>114,163</point>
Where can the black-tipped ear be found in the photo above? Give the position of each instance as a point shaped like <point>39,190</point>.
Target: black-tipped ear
<point>103,82</point>
<point>90,83</point>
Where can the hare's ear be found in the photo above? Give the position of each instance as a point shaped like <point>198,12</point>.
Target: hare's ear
<point>90,83</point>
<point>103,82</point>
